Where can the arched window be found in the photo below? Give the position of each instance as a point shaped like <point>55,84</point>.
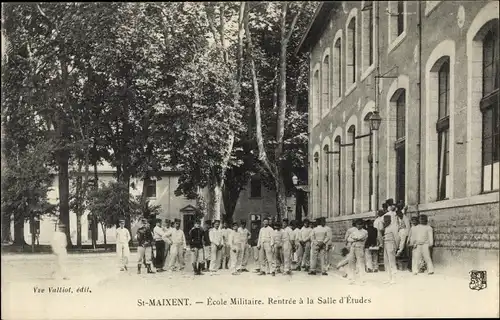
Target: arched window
<point>351,135</point>
<point>489,109</point>
<point>337,68</point>
<point>325,183</point>
<point>338,176</point>
<point>443,128</point>
<point>316,98</point>
<point>368,32</point>
<point>351,52</point>
<point>399,98</point>
<point>367,166</point>
<point>326,85</point>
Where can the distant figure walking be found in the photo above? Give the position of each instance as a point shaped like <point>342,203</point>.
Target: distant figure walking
<point>59,244</point>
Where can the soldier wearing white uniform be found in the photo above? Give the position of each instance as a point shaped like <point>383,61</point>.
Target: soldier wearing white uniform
<point>234,245</point>
<point>288,247</point>
<point>319,240</point>
<point>329,248</point>
<point>158,235</point>
<point>305,247</point>
<point>58,245</point>
<point>357,257</point>
<point>217,244</point>
<point>278,247</point>
<point>178,247</point>
<point>244,235</point>
<point>122,249</point>
<point>265,245</point>
<point>226,252</point>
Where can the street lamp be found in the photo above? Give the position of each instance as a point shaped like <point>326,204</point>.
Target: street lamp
<point>375,121</point>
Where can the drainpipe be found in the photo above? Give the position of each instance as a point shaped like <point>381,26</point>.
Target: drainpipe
<point>419,145</point>
<point>376,139</point>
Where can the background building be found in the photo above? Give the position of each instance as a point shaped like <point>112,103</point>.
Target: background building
<point>430,69</point>
<point>254,203</point>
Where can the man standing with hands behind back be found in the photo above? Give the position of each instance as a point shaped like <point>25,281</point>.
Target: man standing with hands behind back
<point>265,245</point>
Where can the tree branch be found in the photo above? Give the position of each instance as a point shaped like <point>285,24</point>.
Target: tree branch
<point>294,22</point>
<point>260,141</point>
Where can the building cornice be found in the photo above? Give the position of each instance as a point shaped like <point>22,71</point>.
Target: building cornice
<point>317,26</point>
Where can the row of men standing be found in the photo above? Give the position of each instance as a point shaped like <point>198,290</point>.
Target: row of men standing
<point>217,247</point>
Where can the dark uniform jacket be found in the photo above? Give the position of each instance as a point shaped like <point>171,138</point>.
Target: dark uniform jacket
<point>144,237</point>
<point>206,237</point>
<point>254,237</point>
<point>371,241</point>
<point>197,238</point>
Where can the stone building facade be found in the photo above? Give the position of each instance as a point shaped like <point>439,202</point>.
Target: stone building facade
<point>430,69</point>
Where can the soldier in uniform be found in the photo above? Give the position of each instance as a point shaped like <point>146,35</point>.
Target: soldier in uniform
<point>217,245</point>
<point>178,247</point>
<point>278,247</point>
<point>226,251</point>
<point>122,249</point>
<point>158,235</point>
<point>234,244</point>
<point>265,245</point>
<point>244,235</point>
<point>254,236</point>
<point>288,246</point>
<point>206,246</point>
<point>357,257</point>
<point>319,240</point>
<point>305,247</point>
<point>329,248</point>
<point>167,234</point>
<point>196,243</point>
<point>145,241</point>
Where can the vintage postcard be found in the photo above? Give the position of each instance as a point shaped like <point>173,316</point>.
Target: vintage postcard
<point>250,160</point>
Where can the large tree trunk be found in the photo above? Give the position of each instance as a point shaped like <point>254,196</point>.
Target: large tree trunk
<point>63,174</point>
<point>6,234</point>
<point>281,208</point>
<point>103,227</point>
<point>19,232</point>
<point>93,225</point>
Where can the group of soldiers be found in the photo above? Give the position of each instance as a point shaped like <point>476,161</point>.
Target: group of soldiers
<point>275,246</point>
<point>215,247</point>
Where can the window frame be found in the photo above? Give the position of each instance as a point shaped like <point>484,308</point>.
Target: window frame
<point>489,103</point>
<point>148,184</point>
<point>253,187</point>
<point>443,129</point>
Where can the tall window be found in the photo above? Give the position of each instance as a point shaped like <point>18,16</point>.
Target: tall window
<point>255,187</point>
<point>316,98</point>
<point>397,19</point>
<point>326,85</point>
<point>325,188</point>
<point>443,128</point>
<point>489,109</point>
<point>400,144</point>
<point>352,136</point>
<point>400,17</point>
<point>337,68</point>
<point>369,160</point>
<point>368,30</point>
<point>338,175</point>
<point>150,188</point>
<point>351,52</point>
